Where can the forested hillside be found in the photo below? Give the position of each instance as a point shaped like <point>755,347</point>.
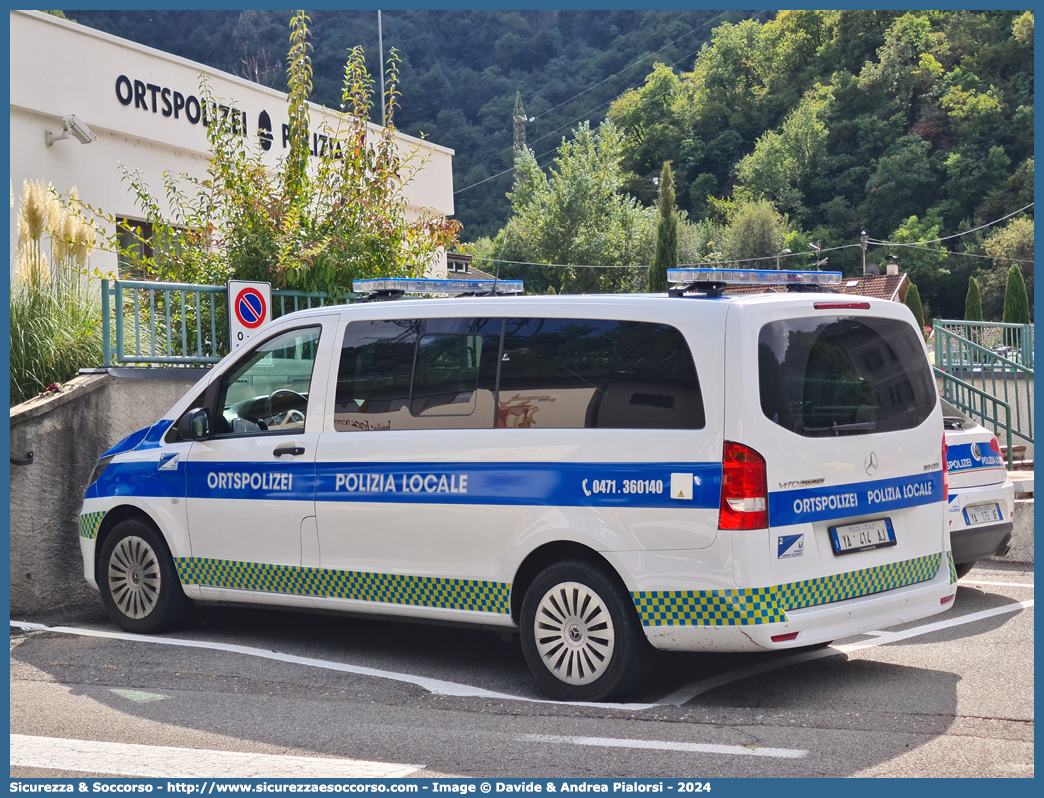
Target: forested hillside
<point>460,70</point>
<point>911,126</point>
<point>781,129</point>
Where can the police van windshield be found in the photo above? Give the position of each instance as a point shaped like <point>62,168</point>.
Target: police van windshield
<point>844,376</point>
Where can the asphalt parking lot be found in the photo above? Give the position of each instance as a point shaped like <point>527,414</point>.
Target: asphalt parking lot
<point>951,696</point>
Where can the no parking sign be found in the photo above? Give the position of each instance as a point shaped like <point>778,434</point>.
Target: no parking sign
<point>249,309</point>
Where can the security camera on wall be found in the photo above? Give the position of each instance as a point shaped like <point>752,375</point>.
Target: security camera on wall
<point>74,125</point>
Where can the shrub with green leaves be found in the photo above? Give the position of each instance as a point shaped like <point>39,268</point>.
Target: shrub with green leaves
<point>311,225</point>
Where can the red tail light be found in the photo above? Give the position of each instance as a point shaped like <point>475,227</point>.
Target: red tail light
<point>995,444</point>
<point>946,472</point>
<point>744,489</point>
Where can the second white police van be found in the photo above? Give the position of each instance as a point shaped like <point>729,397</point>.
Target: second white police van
<point>603,475</point>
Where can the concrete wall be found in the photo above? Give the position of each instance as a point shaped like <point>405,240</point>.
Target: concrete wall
<point>66,432</point>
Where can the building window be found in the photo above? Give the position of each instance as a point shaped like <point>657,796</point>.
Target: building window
<point>136,245</point>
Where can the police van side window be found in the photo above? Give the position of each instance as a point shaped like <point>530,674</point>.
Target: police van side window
<point>572,373</point>
<point>417,374</point>
<point>844,376</point>
<point>267,391</point>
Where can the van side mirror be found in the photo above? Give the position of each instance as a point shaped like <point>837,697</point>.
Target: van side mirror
<point>194,425</point>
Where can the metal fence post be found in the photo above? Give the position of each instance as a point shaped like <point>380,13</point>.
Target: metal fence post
<point>118,296</point>
<point>106,344</point>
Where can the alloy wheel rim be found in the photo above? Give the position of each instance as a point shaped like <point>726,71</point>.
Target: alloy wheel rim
<point>574,633</point>
<point>134,577</point>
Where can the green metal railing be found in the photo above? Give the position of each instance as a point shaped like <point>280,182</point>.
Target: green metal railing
<point>1013,341</point>
<point>974,402</point>
<point>179,323</point>
<point>992,373</point>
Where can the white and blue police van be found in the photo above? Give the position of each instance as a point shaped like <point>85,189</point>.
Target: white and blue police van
<point>602,475</point>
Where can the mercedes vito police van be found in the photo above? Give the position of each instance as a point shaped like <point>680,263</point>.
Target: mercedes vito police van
<point>603,475</point>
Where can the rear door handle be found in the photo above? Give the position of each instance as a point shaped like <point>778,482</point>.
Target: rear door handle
<point>289,448</point>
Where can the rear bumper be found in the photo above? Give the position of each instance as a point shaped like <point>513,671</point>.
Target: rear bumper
<point>820,623</point>
<point>972,543</point>
<point>976,543</point>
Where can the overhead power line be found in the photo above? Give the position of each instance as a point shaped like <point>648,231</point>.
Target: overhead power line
<point>633,64</point>
<point>951,253</point>
<point>956,235</point>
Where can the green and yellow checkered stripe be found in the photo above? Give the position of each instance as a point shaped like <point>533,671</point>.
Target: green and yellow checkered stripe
<point>90,523</point>
<point>769,604</point>
<point>419,591</point>
<point>953,568</point>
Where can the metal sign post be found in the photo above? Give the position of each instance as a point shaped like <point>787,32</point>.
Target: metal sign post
<point>249,309</point>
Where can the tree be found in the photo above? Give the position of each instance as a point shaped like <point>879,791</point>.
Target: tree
<point>1011,245</point>
<point>666,233</point>
<point>577,215</point>
<point>756,231</point>
<point>1023,28</point>
<point>1016,301</point>
<point>973,303</point>
<point>922,262</point>
<point>913,301</point>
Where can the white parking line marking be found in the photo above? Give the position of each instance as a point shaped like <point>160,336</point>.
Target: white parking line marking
<point>436,686</point>
<point>663,745</point>
<point>967,582</point>
<point>687,693</point>
<point>138,696</point>
<point>156,761</point>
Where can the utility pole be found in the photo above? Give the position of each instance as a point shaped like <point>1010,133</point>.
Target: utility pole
<point>520,124</point>
<point>862,243</point>
<point>380,47</point>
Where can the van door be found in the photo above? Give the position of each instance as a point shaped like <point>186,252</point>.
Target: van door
<point>838,398</point>
<point>251,484</point>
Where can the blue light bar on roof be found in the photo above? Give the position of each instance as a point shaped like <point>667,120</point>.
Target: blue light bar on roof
<point>422,285</point>
<point>751,277</point>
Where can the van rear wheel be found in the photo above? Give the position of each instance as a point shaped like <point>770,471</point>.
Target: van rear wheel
<point>963,569</point>
<point>581,635</point>
<point>139,584</point>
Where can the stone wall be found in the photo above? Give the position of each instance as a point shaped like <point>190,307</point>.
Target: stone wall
<point>66,432</point>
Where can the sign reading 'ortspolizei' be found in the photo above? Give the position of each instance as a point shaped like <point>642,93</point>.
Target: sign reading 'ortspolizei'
<point>249,309</point>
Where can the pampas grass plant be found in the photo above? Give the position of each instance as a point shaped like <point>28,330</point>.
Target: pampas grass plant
<point>55,309</point>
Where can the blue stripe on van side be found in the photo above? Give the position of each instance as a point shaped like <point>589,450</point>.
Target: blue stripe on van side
<point>138,478</point>
<point>962,457</point>
<point>788,507</point>
<point>557,484</point>
<point>554,484</point>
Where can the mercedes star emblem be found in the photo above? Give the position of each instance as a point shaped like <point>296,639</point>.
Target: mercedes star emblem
<point>871,463</point>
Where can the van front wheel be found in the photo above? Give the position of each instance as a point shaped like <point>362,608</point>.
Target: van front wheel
<point>139,584</point>
<point>581,635</point>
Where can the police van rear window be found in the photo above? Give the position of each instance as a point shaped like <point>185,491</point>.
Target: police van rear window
<point>844,376</point>
<point>515,373</point>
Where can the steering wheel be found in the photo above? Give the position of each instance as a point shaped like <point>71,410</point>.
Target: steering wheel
<point>293,415</point>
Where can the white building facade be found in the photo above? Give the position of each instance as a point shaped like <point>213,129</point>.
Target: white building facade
<point>145,108</point>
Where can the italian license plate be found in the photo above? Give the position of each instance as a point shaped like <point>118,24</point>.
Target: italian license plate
<point>863,536</point>
<point>982,514</point>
